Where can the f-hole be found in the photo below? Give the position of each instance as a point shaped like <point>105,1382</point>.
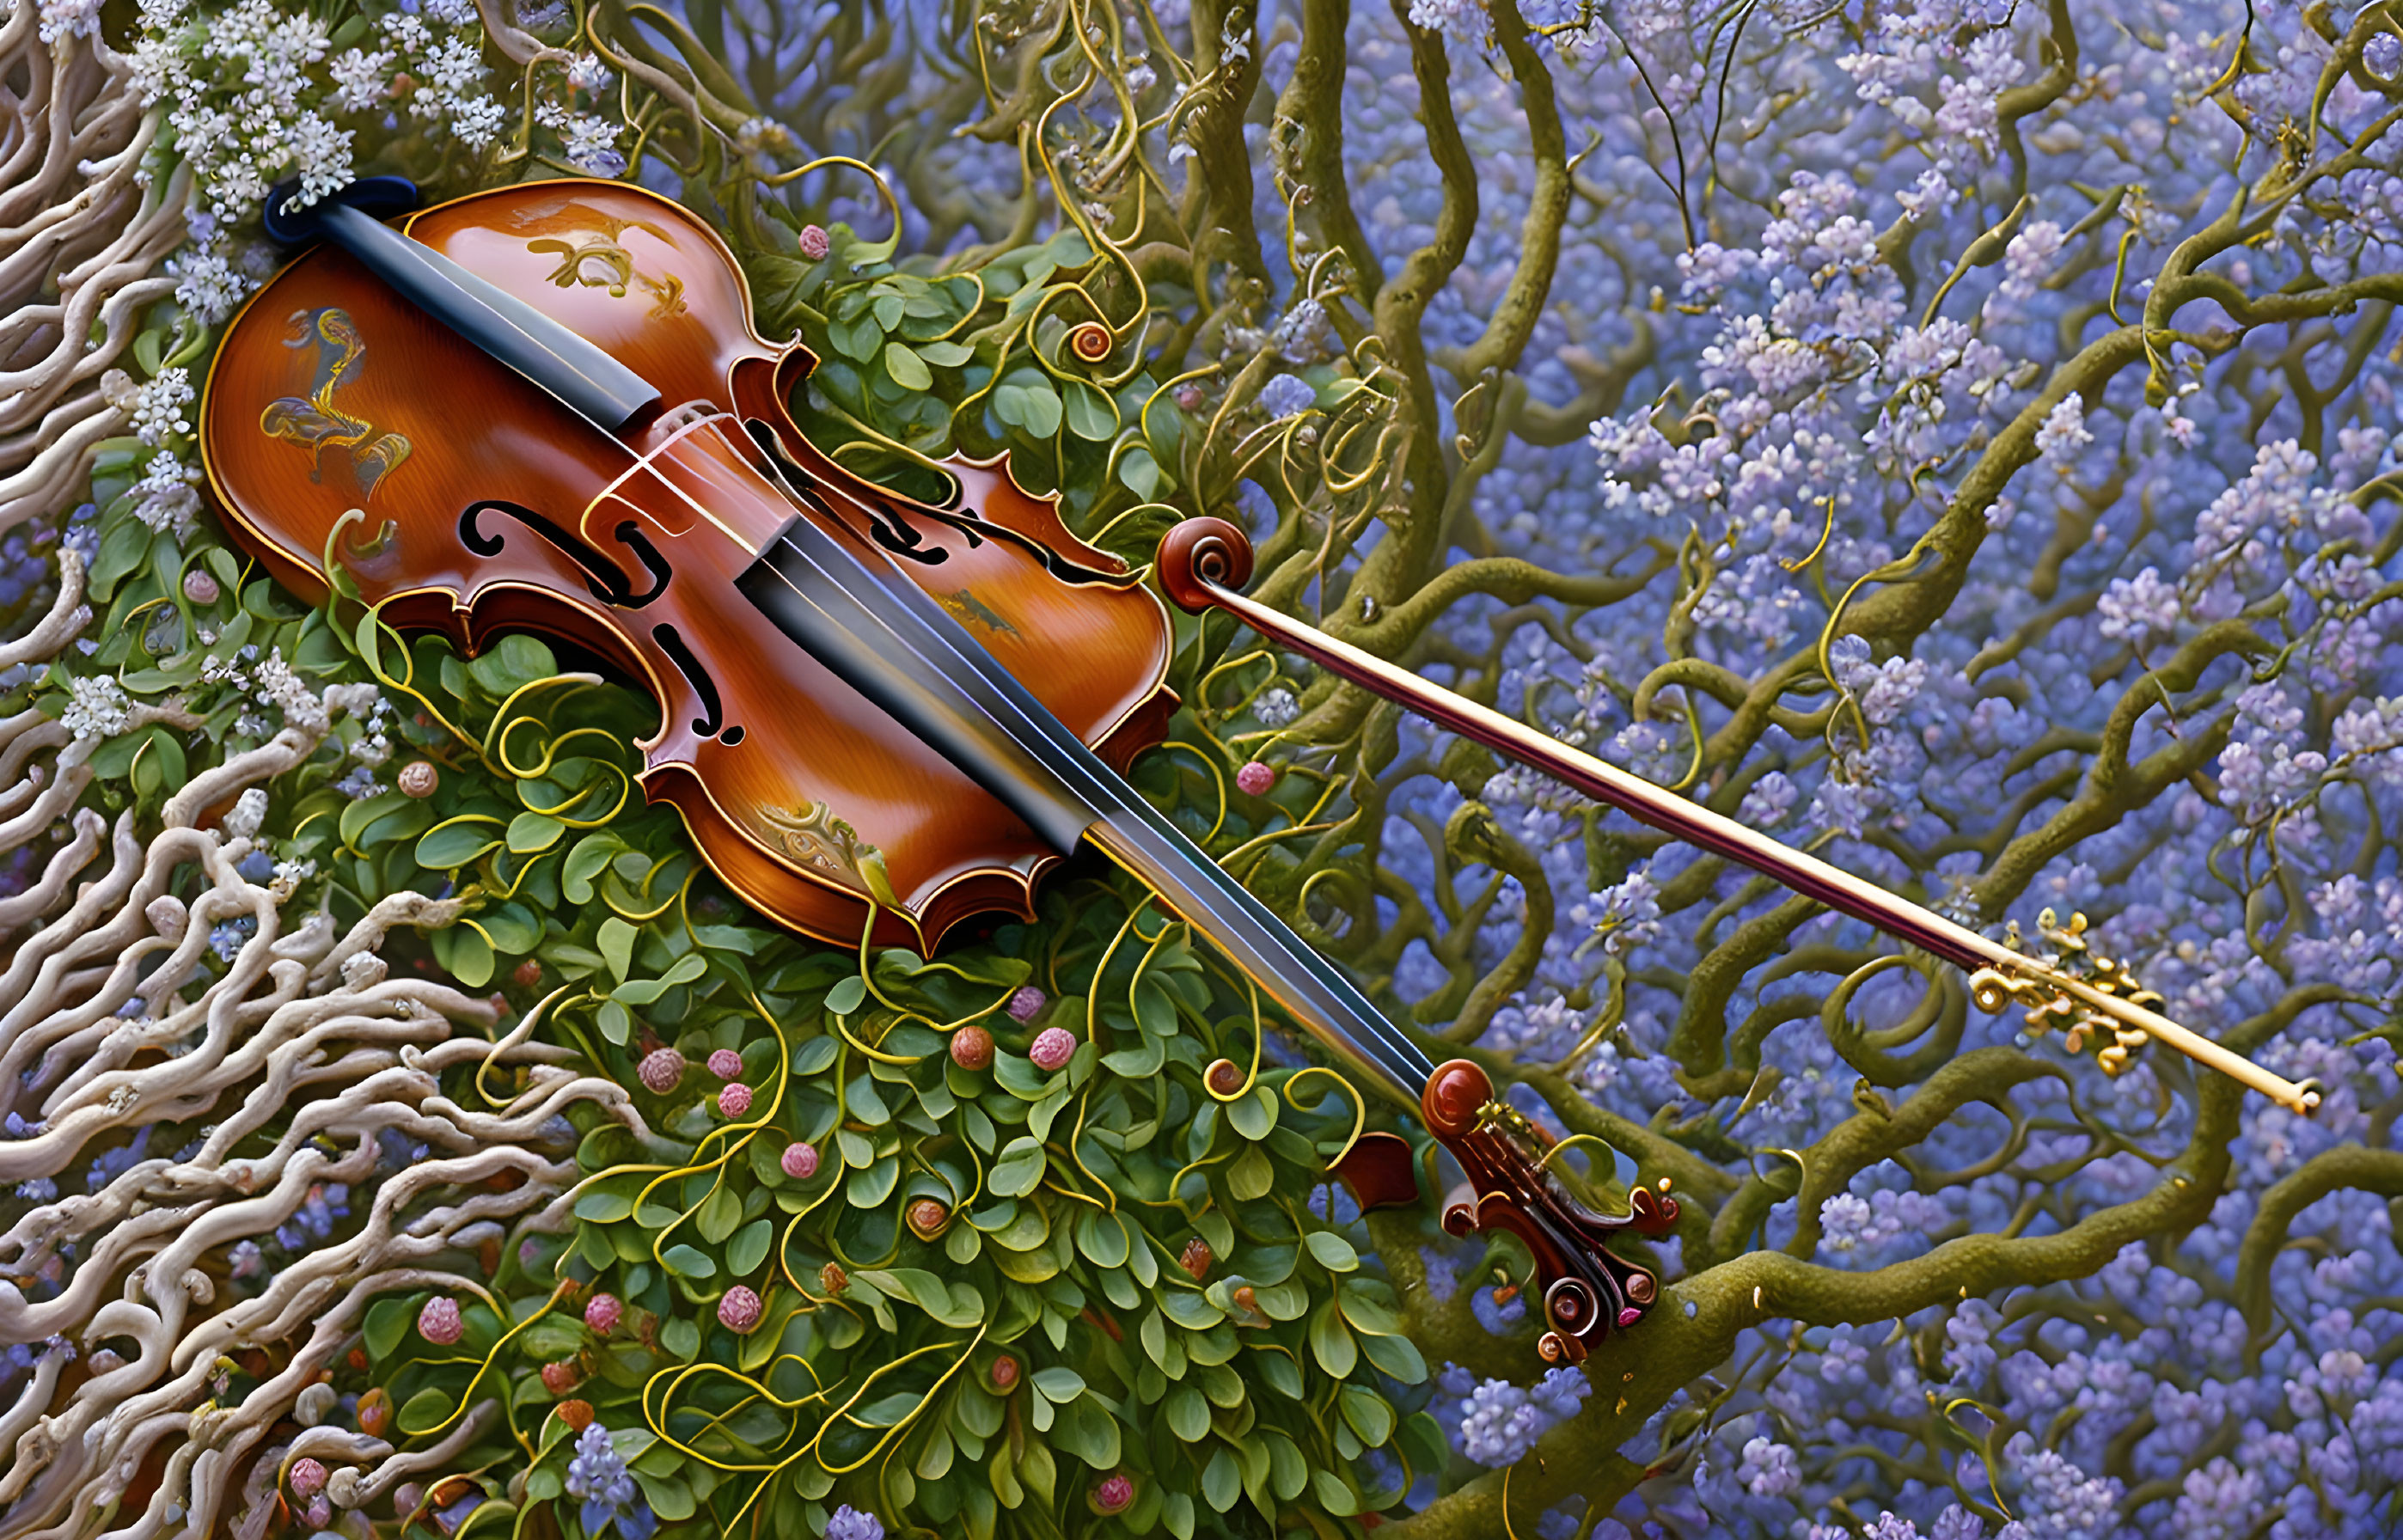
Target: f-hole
<point>608,583</point>
<point>800,486</point>
<point>630,535</point>
<point>894,534</point>
<point>711,724</point>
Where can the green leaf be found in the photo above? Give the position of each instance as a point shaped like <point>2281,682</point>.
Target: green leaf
<point>1333,1252</point>
<point>870,1188</point>
<point>858,338</point>
<point>1288,1472</point>
<point>529,832</point>
<point>456,841</point>
<point>616,943</point>
<point>464,950</point>
<point>643,992</point>
<point>358,816</point>
<point>429,1409</point>
<point>847,994</point>
<point>1103,1238</point>
<point>604,1208</point>
<point>586,861</point>
<point>1282,1375</point>
<point>388,1323</point>
<point>949,356</point>
<point>908,369</point>
<point>888,310</point>
<point>518,661</point>
<point>1397,1357</point>
<point>1222,1480</point>
<point>1137,1063</point>
<point>1091,414</point>
<point>685,1262</point>
<point>121,550</point>
<point>1140,472</point>
<point>681,1337</point>
<point>860,1099</point>
<point>1333,1494</point>
<point>1059,1384</point>
<point>954,1305</point>
<point>1286,1301</point>
<point>750,1247</point>
<point>816,1055</point>
<point>1251,1176</point>
<point>721,1213</point>
<point>1189,1415</point>
<point>1019,1169</point>
<point>1026,400</point>
<point>1370,1415</point>
<point>1331,1343</point>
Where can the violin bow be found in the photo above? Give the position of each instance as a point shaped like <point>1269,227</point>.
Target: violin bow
<point>885,637</point>
<point>1204,565</point>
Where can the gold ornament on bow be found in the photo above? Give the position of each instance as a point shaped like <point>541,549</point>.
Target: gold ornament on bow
<point>2050,1007</point>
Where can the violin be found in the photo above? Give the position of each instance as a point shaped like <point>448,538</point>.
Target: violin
<point>546,408</point>
<point>879,716</point>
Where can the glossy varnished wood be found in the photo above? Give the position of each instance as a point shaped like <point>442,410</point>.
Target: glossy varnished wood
<point>331,393</point>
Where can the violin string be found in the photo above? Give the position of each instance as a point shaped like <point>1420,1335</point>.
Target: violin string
<point>1006,704</point>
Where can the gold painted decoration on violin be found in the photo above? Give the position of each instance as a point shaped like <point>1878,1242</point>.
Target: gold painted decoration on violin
<point>335,352</point>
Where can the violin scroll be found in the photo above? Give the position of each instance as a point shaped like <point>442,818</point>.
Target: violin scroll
<point>1197,555</point>
<point>1586,1291</point>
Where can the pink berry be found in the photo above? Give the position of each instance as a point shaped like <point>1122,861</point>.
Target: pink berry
<point>438,1323</point>
<point>816,243</point>
<point>1254,779</point>
<point>801,1161</point>
<point>601,1312</point>
<point>725,1064</point>
<point>735,1100</point>
<point>561,1378</point>
<point>1026,1004</point>
<point>1113,1496</point>
<point>739,1311</point>
<point>1052,1048</point>
<point>320,1513</point>
<point>660,1069</point>
<point>307,1478</point>
<point>200,587</point>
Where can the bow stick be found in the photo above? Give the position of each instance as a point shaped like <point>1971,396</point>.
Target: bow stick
<point>1204,562</point>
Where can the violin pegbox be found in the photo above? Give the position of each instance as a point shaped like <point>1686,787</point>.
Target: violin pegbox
<point>1587,1290</point>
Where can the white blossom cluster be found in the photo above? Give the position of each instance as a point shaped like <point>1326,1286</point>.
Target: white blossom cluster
<point>257,92</point>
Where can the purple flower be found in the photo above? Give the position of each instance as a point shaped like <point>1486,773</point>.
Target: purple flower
<point>849,1523</point>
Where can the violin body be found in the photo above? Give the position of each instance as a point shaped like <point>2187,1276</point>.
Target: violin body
<point>485,505</point>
